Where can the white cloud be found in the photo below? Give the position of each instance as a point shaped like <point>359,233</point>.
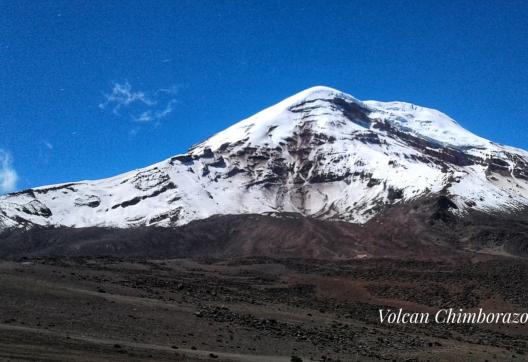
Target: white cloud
<point>122,95</point>
<point>145,117</point>
<point>140,106</point>
<point>48,145</point>
<point>133,132</point>
<point>8,175</point>
<point>168,109</point>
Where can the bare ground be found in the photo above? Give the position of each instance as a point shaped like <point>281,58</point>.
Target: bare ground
<point>254,309</point>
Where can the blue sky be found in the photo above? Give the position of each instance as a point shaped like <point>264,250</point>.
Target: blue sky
<point>90,89</point>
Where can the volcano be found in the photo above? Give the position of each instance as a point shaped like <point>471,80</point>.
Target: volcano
<point>322,172</point>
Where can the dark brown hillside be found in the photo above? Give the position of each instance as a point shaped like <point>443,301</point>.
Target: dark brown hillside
<point>422,230</point>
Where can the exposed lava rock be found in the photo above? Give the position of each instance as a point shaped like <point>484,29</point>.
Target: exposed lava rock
<point>220,163</point>
<point>394,194</point>
<point>136,200</point>
<point>443,205</point>
<point>90,201</point>
<point>37,208</point>
<point>234,171</point>
<point>184,159</point>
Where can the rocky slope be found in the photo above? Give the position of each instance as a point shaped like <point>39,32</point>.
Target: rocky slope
<point>320,153</point>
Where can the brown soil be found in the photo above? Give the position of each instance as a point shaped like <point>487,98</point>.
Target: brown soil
<point>254,309</point>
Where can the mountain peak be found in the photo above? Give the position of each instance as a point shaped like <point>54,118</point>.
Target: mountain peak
<point>314,93</point>
<point>320,91</point>
<point>271,125</point>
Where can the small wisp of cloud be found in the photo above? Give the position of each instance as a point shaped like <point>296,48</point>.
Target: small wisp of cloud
<point>140,106</point>
<point>48,144</point>
<point>155,115</point>
<point>8,175</point>
<point>122,96</point>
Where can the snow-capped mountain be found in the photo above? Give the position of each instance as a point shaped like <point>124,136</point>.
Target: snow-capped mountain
<point>320,153</point>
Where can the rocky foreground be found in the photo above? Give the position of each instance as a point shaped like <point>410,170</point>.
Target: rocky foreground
<point>254,309</point>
